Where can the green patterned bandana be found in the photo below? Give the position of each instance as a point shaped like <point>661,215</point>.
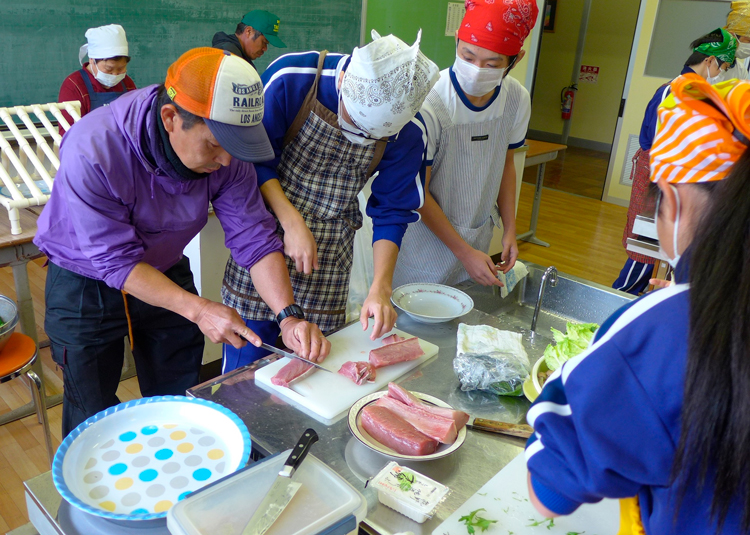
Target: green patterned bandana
<point>723,50</point>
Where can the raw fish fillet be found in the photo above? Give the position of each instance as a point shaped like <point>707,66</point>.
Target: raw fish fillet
<point>392,339</point>
<point>393,431</point>
<point>396,352</point>
<point>359,372</point>
<point>441,429</point>
<point>404,396</point>
<point>294,371</point>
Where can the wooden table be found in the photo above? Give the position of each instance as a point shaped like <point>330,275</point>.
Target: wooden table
<point>539,153</point>
<point>16,251</point>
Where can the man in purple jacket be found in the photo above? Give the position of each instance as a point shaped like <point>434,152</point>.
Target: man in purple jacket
<point>133,188</point>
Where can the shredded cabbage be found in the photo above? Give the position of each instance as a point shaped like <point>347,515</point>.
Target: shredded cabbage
<point>570,344</point>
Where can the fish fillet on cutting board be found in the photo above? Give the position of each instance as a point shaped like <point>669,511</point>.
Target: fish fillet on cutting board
<point>326,396</point>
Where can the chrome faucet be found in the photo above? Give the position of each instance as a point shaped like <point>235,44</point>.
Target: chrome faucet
<point>549,275</point>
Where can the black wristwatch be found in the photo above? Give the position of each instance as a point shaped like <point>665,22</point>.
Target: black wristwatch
<point>294,311</point>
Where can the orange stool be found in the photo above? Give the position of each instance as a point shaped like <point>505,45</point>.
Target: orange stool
<point>16,358</point>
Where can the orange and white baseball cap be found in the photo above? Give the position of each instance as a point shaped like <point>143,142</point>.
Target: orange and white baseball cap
<point>227,92</point>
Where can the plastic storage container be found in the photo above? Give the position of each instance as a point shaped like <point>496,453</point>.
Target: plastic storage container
<point>326,504</point>
<point>408,492</point>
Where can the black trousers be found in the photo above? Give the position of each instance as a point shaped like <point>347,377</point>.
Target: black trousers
<point>86,323</point>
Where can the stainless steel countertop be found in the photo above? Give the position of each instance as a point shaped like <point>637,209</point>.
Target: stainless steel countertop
<point>275,425</point>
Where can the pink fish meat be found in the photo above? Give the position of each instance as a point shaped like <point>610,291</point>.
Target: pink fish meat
<point>359,372</point>
<point>396,352</point>
<point>392,339</point>
<point>404,396</point>
<point>441,429</point>
<point>293,371</point>
<point>393,431</point>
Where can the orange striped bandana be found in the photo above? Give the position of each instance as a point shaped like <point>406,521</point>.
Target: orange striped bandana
<point>702,130</point>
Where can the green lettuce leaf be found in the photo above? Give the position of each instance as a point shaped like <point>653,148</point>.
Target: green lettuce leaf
<point>568,345</point>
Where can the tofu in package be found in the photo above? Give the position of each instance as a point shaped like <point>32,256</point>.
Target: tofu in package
<point>408,492</point>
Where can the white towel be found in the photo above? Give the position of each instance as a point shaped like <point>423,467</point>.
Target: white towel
<point>511,278</point>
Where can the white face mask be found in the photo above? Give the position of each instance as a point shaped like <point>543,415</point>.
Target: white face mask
<point>714,79</point>
<point>107,80</point>
<point>351,132</point>
<point>743,51</point>
<point>476,81</point>
<point>673,261</point>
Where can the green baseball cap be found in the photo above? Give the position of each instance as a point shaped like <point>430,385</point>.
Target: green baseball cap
<point>266,23</point>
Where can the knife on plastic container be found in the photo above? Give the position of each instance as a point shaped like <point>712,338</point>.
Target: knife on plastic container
<point>289,355</point>
<point>283,489</point>
<point>502,428</point>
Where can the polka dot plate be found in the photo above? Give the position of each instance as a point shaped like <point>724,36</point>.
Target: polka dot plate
<point>135,460</point>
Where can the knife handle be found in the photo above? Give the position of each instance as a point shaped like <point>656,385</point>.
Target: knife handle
<point>299,452</point>
<point>493,426</point>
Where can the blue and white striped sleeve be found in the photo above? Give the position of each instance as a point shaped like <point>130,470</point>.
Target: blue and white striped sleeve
<point>599,431</point>
<point>398,190</point>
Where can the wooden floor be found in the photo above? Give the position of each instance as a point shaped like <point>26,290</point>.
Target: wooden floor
<point>578,171</point>
<point>585,241</point>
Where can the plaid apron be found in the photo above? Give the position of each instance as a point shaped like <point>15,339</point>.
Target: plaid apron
<point>639,202</point>
<point>321,173</point>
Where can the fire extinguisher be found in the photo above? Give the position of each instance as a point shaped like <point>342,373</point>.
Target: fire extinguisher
<point>567,95</point>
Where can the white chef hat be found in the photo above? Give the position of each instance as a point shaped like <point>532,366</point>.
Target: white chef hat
<point>104,42</point>
<point>385,84</point>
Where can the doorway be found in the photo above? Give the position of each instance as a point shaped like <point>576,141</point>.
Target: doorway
<point>609,33</point>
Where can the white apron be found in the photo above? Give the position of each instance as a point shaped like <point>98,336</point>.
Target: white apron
<point>466,175</point>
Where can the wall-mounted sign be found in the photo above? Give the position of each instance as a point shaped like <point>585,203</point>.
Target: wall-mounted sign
<point>589,74</point>
<point>455,16</point>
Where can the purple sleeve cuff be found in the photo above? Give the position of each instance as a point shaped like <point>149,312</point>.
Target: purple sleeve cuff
<point>557,503</point>
<point>394,233</point>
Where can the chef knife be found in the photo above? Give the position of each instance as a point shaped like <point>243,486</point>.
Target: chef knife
<point>502,428</point>
<point>289,355</point>
<point>283,489</point>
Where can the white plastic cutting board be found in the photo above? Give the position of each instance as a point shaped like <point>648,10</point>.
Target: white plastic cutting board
<point>328,395</point>
<point>505,498</point>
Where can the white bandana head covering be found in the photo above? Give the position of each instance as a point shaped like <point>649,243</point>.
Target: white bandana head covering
<point>104,42</point>
<point>385,84</point>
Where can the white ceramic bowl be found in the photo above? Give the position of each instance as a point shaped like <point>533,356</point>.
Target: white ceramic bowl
<point>135,460</point>
<point>431,303</point>
<point>364,437</point>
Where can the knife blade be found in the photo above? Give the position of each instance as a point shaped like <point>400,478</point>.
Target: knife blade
<point>283,489</point>
<point>289,355</point>
<point>502,428</point>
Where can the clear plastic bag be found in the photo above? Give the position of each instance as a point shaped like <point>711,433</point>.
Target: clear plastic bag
<point>500,373</point>
<point>491,360</point>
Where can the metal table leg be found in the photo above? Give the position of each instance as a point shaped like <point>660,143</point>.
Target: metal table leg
<point>530,235</point>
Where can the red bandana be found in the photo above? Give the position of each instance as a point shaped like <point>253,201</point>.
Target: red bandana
<point>498,25</point>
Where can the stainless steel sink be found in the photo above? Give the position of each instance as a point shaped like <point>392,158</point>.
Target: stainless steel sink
<point>572,299</point>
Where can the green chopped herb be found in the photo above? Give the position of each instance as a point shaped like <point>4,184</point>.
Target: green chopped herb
<point>550,523</point>
<point>473,520</point>
<point>575,533</point>
<point>482,493</point>
<point>405,480</point>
